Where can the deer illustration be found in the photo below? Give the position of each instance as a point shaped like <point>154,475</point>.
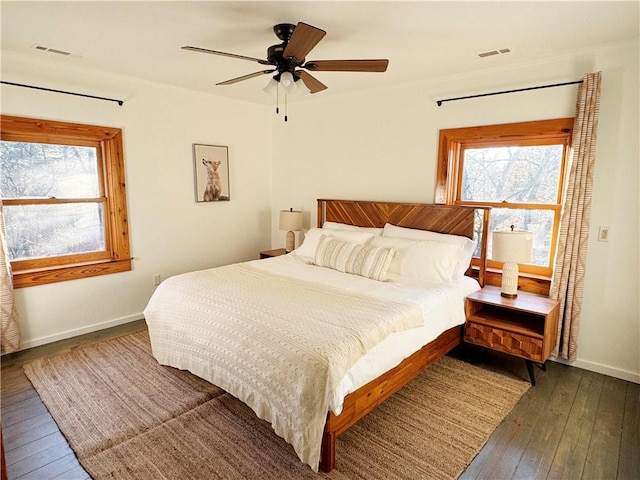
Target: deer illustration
<point>214,187</point>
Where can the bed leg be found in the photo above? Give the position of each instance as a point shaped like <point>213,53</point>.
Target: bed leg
<point>328,452</point>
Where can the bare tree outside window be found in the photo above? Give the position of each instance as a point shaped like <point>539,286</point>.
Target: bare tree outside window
<point>36,171</point>
<point>516,175</point>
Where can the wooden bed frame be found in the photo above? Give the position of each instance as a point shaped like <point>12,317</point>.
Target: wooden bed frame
<point>437,218</point>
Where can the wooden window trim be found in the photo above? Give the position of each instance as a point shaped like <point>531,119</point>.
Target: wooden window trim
<point>451,140</point>
<point>450,147</point>
<point>117,256</point>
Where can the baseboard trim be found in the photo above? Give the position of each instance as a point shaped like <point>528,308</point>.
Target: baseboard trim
<point>603,369</point>
<point>80,331</point>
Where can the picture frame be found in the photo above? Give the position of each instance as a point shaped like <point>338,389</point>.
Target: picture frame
<point>211,173</point>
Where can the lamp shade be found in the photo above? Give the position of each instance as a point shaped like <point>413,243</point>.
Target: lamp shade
<point>512,246</point>
<point>290,220</point>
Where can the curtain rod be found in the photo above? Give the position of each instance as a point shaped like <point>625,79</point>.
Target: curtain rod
<point>119,102</point>
<point>440,102</point>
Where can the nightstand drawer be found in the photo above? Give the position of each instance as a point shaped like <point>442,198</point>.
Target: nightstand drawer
<point>527,347</point>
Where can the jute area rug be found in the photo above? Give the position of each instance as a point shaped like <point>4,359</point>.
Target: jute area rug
<point>126,417</point>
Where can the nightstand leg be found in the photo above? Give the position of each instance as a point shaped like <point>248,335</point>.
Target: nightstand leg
<point>532,375</point>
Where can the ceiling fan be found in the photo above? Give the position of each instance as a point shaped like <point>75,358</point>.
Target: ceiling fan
<point>288,57</point>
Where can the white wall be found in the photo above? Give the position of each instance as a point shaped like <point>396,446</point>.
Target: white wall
<point>169,232</point>
<point>383,146</point>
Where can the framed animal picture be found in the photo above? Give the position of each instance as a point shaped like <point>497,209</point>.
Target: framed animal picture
<point>211,171</point>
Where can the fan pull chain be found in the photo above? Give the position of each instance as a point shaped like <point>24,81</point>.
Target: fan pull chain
<point>285,107</point>
<point>277,98</point>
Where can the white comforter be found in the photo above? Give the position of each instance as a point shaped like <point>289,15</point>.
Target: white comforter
<point>278,349</point>
<point>442,308</point>
<point>280,344</point>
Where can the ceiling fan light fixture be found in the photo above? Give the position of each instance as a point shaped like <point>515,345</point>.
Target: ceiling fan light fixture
<point>271,87</point>
<point>288,60</point>
<point>287,82</point>
<point>301,89</point>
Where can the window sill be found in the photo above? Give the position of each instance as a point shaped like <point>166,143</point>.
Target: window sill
<point>527,282</point>
<point>31,278</point>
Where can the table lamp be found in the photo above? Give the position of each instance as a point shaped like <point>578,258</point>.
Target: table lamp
<point>511,247</point>
<point>291,221</point>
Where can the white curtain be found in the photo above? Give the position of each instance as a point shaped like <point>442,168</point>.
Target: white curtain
<point>568,277</point>
<point>11,338</point>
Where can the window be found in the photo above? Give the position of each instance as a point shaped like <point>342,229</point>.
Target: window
<point>64,202</point>
<point>517,169</point>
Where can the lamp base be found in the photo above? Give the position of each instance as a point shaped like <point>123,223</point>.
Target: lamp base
<point>509,280</point>
<point>290,241</point>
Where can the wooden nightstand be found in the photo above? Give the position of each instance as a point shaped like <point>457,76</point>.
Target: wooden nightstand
<point>272,253</point>
<point>525,326</point>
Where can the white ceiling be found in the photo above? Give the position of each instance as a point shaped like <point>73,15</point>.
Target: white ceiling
<point>422,40</point>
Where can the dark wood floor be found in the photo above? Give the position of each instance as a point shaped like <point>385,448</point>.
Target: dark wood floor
<point>574,424</point>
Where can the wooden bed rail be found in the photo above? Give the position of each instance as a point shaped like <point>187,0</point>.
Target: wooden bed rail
<point>365,399</point>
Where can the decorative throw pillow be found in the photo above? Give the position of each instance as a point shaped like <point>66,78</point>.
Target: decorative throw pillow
<point>349,257</point>
<point>312,237</point>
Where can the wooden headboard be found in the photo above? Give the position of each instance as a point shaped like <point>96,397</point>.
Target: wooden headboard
<point>423,216</point>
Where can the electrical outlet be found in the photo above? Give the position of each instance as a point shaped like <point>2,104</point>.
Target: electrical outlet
<point>156,280</point>
<point>603,234</point>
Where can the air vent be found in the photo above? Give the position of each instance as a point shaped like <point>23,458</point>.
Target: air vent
<point>51,50</point>
<point>491,53</point>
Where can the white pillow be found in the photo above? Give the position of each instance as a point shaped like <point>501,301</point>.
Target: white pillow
<point>400,244</point>
<point>416,234</point>
<point>349,257</point>
<point>465,245</point>
<point>435,262</point>
<point>312,238</point>
<point>352,228</point>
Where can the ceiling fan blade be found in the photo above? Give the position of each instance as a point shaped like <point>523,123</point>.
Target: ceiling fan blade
<point>224,54</point>
<point>312,83</point>
<point>304,38</point>
<point>245,77</point>
<point>347,65</point>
